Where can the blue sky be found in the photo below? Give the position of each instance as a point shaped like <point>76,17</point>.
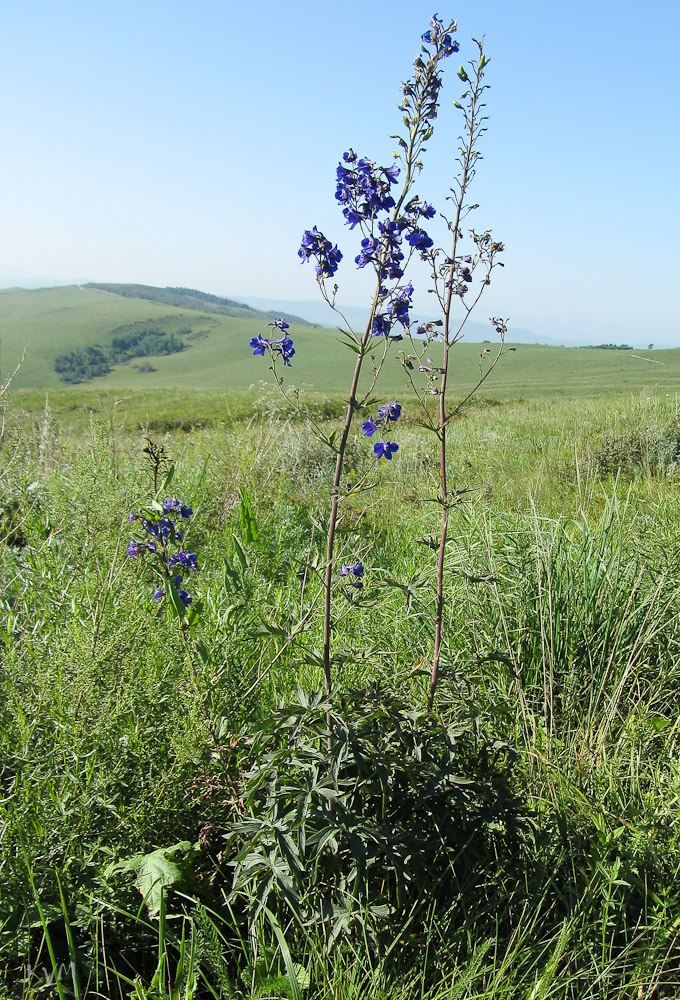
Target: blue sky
<point>191,145</point>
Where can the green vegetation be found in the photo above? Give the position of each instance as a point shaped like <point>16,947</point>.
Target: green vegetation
<point>91,362</point>
<point>54,321</point>
<point>190,298</point>
<point>612,347</point>
<point>547,865</point>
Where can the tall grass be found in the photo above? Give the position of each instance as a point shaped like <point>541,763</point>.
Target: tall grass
<point>563,640</point>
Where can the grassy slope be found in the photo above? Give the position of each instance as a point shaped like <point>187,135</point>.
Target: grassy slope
<point>580,595</point>
<point>51,321</point>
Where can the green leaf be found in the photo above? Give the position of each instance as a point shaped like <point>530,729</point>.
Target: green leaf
<point>240,552</point>
<point>170,475</point>
<point>249,526</point>
<point>154,872</point>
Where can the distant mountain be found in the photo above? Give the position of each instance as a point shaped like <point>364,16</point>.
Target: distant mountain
<point>191,298</point>
<point>320,314</point>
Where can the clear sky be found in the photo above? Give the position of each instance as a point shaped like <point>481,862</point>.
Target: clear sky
<point>171,143</point>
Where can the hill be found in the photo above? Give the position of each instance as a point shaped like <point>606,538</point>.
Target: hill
<point>55,321</point>
<point>191,298</point>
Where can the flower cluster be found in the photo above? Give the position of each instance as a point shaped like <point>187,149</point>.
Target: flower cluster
<point>164,533</point>
<point>327,256</point>
<point>385,252</point>
<point>439,37</point>
<point>352,574</point>
<point>398,303</point>
<point>388,413</point>
<point>364,189</point>
<point>284,346</point>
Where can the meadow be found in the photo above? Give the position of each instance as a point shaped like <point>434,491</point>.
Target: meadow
<point>51,321</point>
<point>133,753</point>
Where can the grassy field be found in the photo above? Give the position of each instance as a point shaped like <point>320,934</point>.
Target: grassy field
<point>49,322</point>
<point>126,745</point>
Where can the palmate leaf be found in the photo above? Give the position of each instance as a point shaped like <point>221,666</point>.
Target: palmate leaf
<point>158,870</point>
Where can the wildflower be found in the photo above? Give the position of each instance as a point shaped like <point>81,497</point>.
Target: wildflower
<point>285,348</point>
<point>381,325</point>
<point>259,345</point>
<point>390,411</point>
<point>176,506</point>
<point>369,249</point>
<point>369,427</point>
<point>132,549</point>
<point>400,305</point>
<point>440,37</point>
<point>158,594</point>
<point>363,188</point>
<point>279,324</point>
<point>132,517</point>
<point>315,244</point>
<point>352,574</point>
<point>355,569</point>
<point>419,239</point>
<point>188,560</point>
<point>385,449</point>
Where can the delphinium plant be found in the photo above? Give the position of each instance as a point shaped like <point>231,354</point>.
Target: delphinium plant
<point>380,204</point>
<point>160,530</point>
<point>391,219</point>
<point>345,825</point>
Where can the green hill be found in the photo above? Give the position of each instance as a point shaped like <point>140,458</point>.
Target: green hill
<point>190,298</point>
<point>55,321</point>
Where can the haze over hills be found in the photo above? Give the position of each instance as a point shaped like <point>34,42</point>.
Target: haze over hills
<point>125,337</point>
<point>321,314</point>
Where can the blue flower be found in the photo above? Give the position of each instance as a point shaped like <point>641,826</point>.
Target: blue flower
<point>279,324</point>
<point>369,427</point>
<point>176,506</point>
<point>363,188</point>
<point>369,248</point>
<point>440,38</point>
<point>158,594</point>
<point>285,348</point>
<point>259,345</point>
<point>185,559</point>
<point>184,597</point>
<point>400,304</point>
<point>314,244</point>
<point>382,325</point>
<point>385,449</point>
<point>390,411</point>
<point>133,549</point>
<point>354,569</point>
<point>132,517</point>
<point>162,529</point>
<point>419,239</point>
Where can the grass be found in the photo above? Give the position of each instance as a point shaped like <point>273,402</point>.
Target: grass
<point>563,640</point>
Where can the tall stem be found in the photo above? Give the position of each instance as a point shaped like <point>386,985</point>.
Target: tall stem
<point>468,158</point>
<point>335,499</point>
